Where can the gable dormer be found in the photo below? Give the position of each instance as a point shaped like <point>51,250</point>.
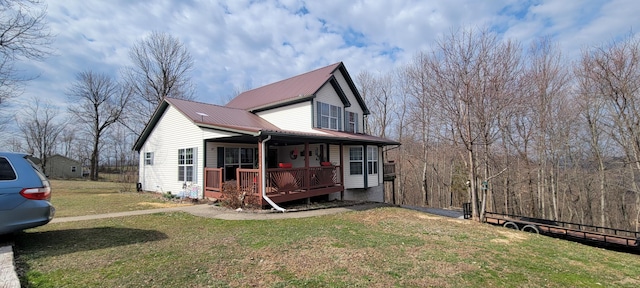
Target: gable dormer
<point>324,98</point>
<point>338,105</point>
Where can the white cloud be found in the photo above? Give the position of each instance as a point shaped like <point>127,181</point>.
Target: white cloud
<point>244,44</point>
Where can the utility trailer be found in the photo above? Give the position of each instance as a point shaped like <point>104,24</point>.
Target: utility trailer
<point>601,236</point>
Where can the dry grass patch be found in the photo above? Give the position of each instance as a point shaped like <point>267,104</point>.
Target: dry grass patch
<point>510,237</point>
<point>77,198</point>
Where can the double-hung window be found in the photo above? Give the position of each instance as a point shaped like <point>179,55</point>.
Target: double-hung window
<point>186,165</point>
<point>351,122</point>
<point>148,158</point>
<point>372,160</point>
<point>355,161</point>
<point>329,116</point>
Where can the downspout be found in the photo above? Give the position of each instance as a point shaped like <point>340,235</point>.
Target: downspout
<point>263,180</point>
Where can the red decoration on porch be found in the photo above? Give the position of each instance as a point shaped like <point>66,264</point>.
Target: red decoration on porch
<point>326,163</point>
<point>285,165</point>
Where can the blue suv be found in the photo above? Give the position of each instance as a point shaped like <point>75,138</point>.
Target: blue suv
<point>24,194</point>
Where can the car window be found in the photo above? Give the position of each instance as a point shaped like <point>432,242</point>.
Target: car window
<point>6,170</point>
<point>37,169</point>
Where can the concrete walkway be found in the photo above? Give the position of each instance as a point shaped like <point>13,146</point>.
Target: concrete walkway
<point>9,278</point>
<point>211,211</point>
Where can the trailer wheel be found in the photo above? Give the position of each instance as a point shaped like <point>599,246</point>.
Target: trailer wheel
<point>510,225</point>
<point>531,228</point>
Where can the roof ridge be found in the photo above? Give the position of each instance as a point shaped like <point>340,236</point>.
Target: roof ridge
<point>294,76</point>
<point>204,103</point>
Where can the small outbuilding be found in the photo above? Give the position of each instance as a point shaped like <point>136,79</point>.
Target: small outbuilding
<point>62,167</point>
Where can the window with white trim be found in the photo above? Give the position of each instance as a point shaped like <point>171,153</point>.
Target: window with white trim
<point>148,158</point>
<point>73,169</point>
<point>329,116</point>
<point>372,160</point>
<point>355,161</point>
<point>186,165</point>
<point>351,122</point>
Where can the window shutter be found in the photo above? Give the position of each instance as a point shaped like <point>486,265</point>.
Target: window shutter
<point>346,120</point>
<point>195,165</point>
<point>220,157</point>
<point>340,119</point>
<point>318,115</point>
<point>357,120</point>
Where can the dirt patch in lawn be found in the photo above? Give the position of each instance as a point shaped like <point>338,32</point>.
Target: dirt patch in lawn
<point>163,205</point>
<point>511,237</point>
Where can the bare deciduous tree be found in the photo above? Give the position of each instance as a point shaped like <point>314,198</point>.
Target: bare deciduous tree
<point>611,73</point>
<point>379,93</point>
<point>97,101</point>
<point>23,35</point>
<point>161,67</point>
<point>41,128</point>
<point>474,74</point>
<point>417,85</point>
<point>547,92</point>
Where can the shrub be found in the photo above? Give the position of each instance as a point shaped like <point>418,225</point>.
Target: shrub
<point>232,197</point>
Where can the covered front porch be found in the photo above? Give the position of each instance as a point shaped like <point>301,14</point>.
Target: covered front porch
<point>293,169</point>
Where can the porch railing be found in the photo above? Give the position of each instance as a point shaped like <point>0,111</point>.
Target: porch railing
<point>213,182</point>
<point>280,182</point>
<point>248,180</point>
<point>286,180</point>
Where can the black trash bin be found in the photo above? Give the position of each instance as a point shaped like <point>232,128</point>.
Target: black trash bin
<point>466,210</point>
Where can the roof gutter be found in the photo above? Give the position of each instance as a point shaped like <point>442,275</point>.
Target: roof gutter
<point>263,180</point>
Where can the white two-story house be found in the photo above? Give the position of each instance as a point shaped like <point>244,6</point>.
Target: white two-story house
<point>293,139</point>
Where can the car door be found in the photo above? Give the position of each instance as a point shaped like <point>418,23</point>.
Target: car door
<point>9,186</point>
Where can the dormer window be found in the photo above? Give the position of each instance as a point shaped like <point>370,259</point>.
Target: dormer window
<point>329,116</point>
<point>351,122</point>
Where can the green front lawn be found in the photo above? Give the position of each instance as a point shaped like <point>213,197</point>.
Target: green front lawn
<point>383,247</point>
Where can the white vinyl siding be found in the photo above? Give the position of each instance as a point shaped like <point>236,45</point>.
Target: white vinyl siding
<point>282,117</point>
<point>173,132</point>
<point>334,154</point>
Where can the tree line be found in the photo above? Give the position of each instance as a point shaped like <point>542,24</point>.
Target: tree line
<point>515,129</point>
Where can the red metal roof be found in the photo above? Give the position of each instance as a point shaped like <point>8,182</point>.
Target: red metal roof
<point>242,120</point>
<point>221,116</point>
<point>236,115</point>
<point>300,86</point>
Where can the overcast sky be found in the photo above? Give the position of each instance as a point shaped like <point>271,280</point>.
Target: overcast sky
<point>245,44</point>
